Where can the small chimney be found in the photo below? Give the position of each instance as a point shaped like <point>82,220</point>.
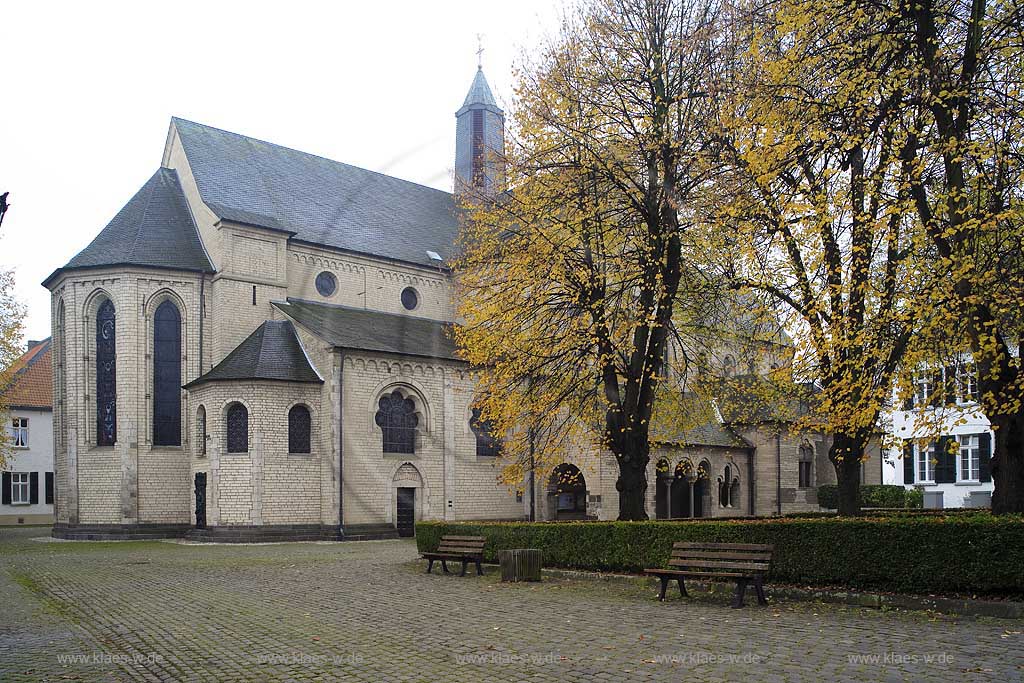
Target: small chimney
<point>32,343</point>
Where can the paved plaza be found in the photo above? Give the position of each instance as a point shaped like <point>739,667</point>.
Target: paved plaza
<point>365,611</point>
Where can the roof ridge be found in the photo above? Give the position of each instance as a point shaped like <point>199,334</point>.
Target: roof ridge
<point>145,211</point>
<point>310,154</point>
<point>297,300</point>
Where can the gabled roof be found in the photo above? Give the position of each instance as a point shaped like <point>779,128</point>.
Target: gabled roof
<point>272,352</point>
<point>356,328</point>
<point>317,200</point>
<point>479,91</point>
<point>31,384</point>
<point>154,229</point>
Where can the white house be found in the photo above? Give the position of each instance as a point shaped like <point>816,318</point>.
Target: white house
<point>944,404</point>
<point>27,481</point>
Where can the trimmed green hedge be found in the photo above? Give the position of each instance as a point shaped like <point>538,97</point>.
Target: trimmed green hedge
<point>873,496</point>
<point>972,553</point>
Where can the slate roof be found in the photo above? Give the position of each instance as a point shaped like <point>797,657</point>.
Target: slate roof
<point>703,428</point>
<point>479,91</point>
<point>317,200</point>
<point>272,352</point>
<point>31,385</point>
<point>356,328</point>
<point>155,229</point>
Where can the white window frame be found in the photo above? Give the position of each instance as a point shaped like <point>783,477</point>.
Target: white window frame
<point>969,453</point>
<point>19,432</point>
<point>967,383</point>
<point>924,465</point>
<point>21,492</point>
<point>923,389</point>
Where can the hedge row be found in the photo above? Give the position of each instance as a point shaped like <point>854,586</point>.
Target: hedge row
<point>873,496</point>
<point>975,553</point>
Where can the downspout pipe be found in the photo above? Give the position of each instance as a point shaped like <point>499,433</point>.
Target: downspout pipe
<point>778,472</point>
<point>751,484</point>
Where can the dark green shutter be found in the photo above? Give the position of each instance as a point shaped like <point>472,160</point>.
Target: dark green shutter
<point>908,461</point>
<point>984,455</point>
<point>938,391</point>
<point>49,488</point>
<point>6,485</point>
<point>945,468</point>
<point>33,487</point>
<point>949,387</point>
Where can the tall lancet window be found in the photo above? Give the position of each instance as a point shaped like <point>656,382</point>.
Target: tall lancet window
<point>167,375</point>
<point>106,374</point>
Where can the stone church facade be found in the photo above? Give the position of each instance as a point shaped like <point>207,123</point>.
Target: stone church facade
<point>256,347</point>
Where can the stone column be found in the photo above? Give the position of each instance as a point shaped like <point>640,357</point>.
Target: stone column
<point>70,500</point>
<point>129,452</point>
<point>213,485</point>
<point>256,479</point>
<point>449,446</point>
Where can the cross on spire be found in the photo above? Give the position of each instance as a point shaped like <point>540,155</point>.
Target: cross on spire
<point>479,52</point>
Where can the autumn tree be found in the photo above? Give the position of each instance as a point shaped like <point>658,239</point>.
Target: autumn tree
<point>813,209</point>
<point>966,76</point>
<point>570,279</point>
<point>12,314</point>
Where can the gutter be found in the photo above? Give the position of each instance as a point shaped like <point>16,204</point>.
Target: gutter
<point>778,473</point>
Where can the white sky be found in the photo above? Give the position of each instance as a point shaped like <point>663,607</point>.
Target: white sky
<point>87,90</point>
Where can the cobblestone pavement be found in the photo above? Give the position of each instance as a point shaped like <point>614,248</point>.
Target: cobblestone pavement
<point>365,611</point>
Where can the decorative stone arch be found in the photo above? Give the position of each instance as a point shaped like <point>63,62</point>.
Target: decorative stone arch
<point>702,489</point>
<point>410,389</point>
<point>405,474</point>
<point>567,492</point>
<point>680,489</point>
<point>663,476</point>
<point>728,485</point>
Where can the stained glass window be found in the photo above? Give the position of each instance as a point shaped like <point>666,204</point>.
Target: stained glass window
<point>167,375</point>
<point>106,375</point>
<point>486,445</point>
<point>397,419</point>
<point>326,283</point>
<point>299,427</point>
<point>238,429</point>
<point>410,299</point>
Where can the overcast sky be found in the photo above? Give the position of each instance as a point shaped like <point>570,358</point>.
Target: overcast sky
<point>87,90</point>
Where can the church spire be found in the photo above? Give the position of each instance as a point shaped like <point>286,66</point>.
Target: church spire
<point>479,139</point>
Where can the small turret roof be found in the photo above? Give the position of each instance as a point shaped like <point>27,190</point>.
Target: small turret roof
<point>272,352</point>
<point>480,91</point>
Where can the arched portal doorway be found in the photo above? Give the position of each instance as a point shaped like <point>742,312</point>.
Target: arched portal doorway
<point>567,492</point>
<point>701,490</point>
<point>682,494</point>
<point>662,489</point>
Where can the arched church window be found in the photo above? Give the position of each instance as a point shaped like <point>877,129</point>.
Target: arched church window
<point>201,430</point>
<point>106,374</point>
<point>734,492</point>
<point>806,465</point>
<point>299,427</point>
<point>167,375</point>
<point>486,445</point>
<point>238,428</point>
<point>397,419</point>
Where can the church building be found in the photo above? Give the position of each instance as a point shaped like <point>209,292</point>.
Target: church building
<point>258,347</point>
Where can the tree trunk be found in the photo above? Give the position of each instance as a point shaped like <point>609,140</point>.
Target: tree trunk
<point>632,484</point>
<point>845,454</point>
<point>1007,464</point>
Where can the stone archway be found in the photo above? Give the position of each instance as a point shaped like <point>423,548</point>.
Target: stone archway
<point>702,490</point>
<point>662,489</point>
<point>682,490</point>
<point>567,493</point>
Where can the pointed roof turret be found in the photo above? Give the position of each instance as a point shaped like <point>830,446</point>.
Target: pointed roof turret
<point>480,91</point>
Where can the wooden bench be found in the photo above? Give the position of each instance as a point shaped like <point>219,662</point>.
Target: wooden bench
<point>463,549</point>
<point>740,562</point>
